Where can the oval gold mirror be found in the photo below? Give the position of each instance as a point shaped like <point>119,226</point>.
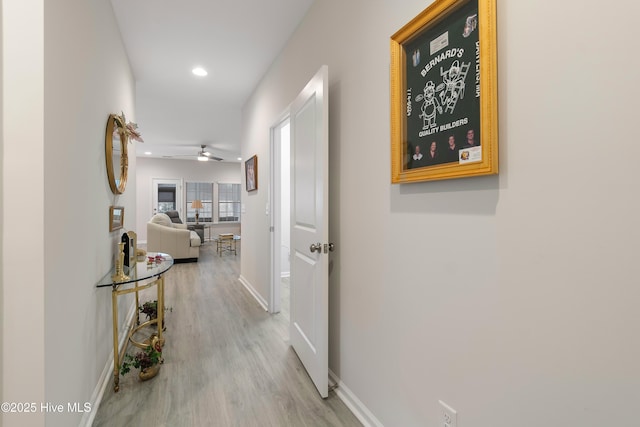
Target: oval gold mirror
<point>116,153</point>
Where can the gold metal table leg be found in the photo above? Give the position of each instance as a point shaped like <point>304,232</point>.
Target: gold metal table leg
<point>137,305</point>
<point>160,290</point>
<point>116,355</point>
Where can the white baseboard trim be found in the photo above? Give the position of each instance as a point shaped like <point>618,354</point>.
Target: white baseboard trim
<point>362,413</point>
<point>263,303</point>
<point>106,377</point>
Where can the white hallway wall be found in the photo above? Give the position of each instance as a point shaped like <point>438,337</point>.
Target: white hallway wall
<point>188,171</point>
<point>1,207</point>
<point>23,97</point>
<point>67,70</point>
<point>513,295</point>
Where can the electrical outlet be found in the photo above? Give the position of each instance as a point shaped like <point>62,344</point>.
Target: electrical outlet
<point>449,416</point>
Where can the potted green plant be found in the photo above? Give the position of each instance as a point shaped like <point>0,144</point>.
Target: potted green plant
<point>147,361</point>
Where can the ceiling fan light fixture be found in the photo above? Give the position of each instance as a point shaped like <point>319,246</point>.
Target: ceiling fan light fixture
<point>202,158</point>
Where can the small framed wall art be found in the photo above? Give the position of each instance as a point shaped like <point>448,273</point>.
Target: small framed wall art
<point>116,218</point>
<point>251,173</point>
<point>444,114</point>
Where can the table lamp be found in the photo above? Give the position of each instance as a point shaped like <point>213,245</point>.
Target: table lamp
<point>196,204</point>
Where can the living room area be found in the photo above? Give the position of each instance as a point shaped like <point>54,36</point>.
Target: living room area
<point>174,184</point>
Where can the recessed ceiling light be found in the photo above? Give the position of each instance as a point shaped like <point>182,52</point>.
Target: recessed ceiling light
<point>148,153</point>
<point>199,71</point>
<point>239,158</point>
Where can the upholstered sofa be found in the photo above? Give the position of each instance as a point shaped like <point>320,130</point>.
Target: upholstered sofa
<point>173,239</point>
<point>198,228</point>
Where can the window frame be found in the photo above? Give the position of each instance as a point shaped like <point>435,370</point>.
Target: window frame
<point>236,199</point>
<point>213,207</point>
<point>207,204</point>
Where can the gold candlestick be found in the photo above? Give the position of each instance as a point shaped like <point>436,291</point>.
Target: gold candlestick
<point>119,275</point>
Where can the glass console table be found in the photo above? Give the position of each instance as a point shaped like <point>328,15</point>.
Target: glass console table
<point>141,275</point>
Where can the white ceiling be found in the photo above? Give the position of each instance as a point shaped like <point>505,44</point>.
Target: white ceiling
<point>234,40</point>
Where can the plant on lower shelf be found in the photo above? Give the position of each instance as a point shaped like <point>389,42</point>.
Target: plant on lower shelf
<point>150,309</point>
<point>144,360</point>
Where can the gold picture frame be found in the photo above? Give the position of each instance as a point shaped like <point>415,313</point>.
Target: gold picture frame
<point>116,218</point>
<point>444,101</point>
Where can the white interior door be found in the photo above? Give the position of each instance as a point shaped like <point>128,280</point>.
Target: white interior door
<point>309,325</point>
<point>167,196</point>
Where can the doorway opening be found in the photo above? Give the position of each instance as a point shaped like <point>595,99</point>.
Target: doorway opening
<point>167,196</point>
<point>281,229</point>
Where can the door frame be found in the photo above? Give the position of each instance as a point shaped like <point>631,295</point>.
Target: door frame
<point>275,202</point>
<point>179,194</point>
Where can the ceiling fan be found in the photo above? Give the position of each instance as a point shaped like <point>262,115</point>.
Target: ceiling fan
<point>203,155</point>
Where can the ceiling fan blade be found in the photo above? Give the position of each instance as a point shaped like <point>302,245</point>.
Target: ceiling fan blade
<point>201,153</point>
<point>208,154</point>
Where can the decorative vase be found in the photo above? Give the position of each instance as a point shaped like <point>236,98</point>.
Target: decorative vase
<point>148,373</point>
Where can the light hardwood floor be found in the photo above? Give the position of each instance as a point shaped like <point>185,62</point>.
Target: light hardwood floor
<point>285,292</point>
<point>227,362</point>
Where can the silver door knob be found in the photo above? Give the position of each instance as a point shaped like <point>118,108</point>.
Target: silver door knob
<point>316,247</point>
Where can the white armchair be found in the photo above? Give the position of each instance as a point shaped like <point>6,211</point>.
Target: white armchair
<point>173,239</point>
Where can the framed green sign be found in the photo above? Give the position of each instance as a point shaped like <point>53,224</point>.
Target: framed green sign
<point>444,115</point>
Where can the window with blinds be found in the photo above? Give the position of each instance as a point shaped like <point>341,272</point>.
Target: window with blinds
<point>225,196</point>
<point>228,202</point>
<point>202,191</point>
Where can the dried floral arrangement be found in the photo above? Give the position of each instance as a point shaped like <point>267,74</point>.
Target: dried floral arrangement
<point>129,128</point>
<point>150,309</point>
